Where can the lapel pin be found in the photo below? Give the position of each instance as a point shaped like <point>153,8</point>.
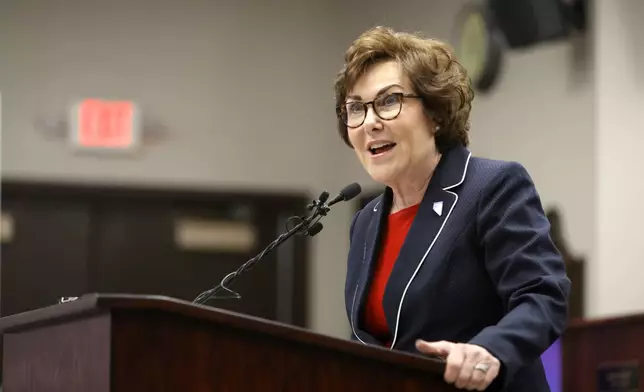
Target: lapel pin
<point>438,208</point>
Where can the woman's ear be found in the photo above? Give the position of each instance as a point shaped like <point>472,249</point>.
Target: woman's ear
<point>433,120</point>
<point>437,124</point>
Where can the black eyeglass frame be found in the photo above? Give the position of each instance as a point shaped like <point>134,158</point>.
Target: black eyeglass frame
<point>365,105</point>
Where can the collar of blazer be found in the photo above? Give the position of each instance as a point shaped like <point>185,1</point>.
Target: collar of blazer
<point>434,212</point>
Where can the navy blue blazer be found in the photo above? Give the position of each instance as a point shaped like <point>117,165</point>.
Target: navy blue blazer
<point>477,266</point>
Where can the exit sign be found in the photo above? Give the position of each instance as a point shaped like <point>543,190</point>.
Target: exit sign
<point>105,125</point>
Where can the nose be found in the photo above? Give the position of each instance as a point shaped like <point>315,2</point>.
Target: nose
<point>372,121</point>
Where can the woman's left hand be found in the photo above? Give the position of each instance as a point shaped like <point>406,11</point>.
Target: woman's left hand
<point>468,367</point>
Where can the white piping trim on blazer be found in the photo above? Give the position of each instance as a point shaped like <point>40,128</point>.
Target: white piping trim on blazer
<point>352,321</point>
<point>393,342</point>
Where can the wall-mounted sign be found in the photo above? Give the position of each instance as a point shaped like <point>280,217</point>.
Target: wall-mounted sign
<point>104,125</point>
<point>204,235</point>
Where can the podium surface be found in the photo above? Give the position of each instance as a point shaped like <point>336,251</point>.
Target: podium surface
<point>107,342</point>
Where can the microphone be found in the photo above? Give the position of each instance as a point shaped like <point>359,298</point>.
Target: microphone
<point>347,193</point>
<point>307,226</point>
<point>324,196</point>
<point>314,229</point>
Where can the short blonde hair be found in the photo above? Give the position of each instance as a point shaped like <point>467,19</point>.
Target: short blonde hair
<point>430,65</point>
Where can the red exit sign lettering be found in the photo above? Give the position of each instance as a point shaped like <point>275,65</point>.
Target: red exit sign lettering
<point>105,125</point>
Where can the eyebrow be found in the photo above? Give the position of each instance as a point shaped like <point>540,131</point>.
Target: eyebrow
<point>382,90</point>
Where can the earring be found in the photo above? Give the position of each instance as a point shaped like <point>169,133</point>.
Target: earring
<point>438,127</point>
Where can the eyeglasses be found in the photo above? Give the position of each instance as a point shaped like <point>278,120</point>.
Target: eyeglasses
<point>387,107</point>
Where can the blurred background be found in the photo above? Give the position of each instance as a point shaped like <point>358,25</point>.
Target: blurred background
<point>235,132</point>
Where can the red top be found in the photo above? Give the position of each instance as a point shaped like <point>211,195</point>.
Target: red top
<point>398,225</point>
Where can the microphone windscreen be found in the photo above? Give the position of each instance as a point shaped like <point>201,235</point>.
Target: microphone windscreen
<point>350,191</point>
<point>316,228</point>
<point>324,196</point>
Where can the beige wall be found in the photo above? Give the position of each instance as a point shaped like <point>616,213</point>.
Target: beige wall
<point>619,210</point>
<point>242,88</point>
<point>233,81</point>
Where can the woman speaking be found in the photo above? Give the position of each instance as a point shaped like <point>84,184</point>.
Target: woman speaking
<point>454,258</point>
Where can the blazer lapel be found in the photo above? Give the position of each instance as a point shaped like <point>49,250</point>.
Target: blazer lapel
<point>373,238</point>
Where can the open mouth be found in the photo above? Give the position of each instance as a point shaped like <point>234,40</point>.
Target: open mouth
<point>381,148</point>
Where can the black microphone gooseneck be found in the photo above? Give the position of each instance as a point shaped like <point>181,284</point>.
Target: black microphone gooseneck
<point>307,226</point>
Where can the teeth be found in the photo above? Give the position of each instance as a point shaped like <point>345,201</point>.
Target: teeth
<point>373,147</point>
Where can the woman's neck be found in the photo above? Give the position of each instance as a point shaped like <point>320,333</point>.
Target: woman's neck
<point>411,188</point>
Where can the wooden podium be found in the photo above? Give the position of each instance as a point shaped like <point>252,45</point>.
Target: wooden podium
<point>604,355</point>
<point>101,343</point>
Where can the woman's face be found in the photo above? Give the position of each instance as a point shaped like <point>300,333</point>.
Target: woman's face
<point>390,150</point>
